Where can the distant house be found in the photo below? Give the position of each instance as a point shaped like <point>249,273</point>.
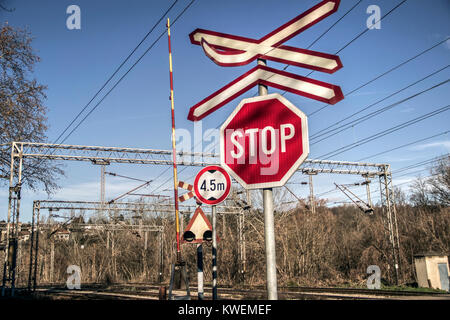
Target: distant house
<point>2,233</point>
<point>24,235</point>
<point>4,228</point>
<point>62,235</point>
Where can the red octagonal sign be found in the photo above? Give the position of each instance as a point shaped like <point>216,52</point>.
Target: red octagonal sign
<point>264,141</point>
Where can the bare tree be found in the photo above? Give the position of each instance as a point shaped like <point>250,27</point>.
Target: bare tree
<point>23,114</point>
<point>400,196</point>
<point>4,6</point>
<point>420,195</point>
<point>439,182</point>
<point>434,190</point>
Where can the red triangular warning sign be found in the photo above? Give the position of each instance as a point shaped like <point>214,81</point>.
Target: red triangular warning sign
<point>198,225</point>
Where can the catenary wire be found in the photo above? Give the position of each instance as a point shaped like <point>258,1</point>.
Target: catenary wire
<point>375,113</point>
<point>326,131</point>
<point>386,132</point>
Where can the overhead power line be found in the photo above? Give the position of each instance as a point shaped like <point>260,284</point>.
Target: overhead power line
<point>326,192</point>
<point>326,131</point>
<point>367,29</point>
<point>126,73</point>
<point>412,180</point>
<point>421,163</point>
<point>357,121</point>
<point>115,72</point>
<point>126,177</point>
<point>405,145</point>
<point>317,39</point>
<point>182,12</point>
<point>111,77</point>
<point>131,191</point>
<point>375,194</point>
<point>383,74</point>
<point>349,43</point>
<point>410,173</point>
<point>334,24</point>
<point>385,132</point>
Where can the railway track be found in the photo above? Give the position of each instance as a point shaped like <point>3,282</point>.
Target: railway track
<point>143,291</point>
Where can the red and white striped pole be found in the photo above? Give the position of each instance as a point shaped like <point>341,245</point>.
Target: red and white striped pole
<point>174,153</point>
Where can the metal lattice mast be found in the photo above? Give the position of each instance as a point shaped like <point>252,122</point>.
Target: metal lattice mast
<point>369,195</point>
<point>390,217</point>
<point>102,185</point>
<point>36,227</point>
<point>97,206</point>
<point>15,181</point>
<point>97,154</point>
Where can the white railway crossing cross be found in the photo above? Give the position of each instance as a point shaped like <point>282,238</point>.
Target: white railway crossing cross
<point>229,50</point>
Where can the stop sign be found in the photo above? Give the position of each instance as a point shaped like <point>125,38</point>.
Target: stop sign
<point>264,141</point>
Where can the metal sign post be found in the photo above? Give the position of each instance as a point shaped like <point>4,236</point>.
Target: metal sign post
<point>200,271</point>
<point>198,230</point>
<point>269,227</point>
<point>214,253</point>
<point>212,186</point>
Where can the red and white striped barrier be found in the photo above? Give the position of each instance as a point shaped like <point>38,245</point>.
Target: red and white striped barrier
<point>188,187</point>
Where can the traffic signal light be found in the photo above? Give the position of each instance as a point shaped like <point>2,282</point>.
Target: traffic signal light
<point>189,236</point>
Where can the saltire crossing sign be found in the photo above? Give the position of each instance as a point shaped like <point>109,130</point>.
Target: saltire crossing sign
<point>230,50</point>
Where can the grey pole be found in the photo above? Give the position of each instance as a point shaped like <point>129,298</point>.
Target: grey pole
<point>312,203</point>
<point>241,253</point>
<point>36,255</point>
<point>31,247</point>
<point>6,266</point>
<point>161,256</point>
<point>200,271</point>
<point>369,198</point>
<point>102,188</point>
<point>269,231</point>
<point>214,254</point>
<point>52,258</point>
<point>269,227</point>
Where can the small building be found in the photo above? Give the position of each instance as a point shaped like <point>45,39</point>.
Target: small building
<point>432,270</point>
<point>2,234</point>
<point>4,228</point>
<point>62,235</point>
<point>24,235</point>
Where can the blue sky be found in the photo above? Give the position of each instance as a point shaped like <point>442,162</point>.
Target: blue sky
<point>76,63</point>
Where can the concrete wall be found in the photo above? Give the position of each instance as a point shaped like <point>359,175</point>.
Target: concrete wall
<point>427,271</point>
<point>421,272</point>
<point>433,271</point>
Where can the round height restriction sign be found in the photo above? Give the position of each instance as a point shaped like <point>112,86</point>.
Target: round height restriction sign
<point>212,185</point>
